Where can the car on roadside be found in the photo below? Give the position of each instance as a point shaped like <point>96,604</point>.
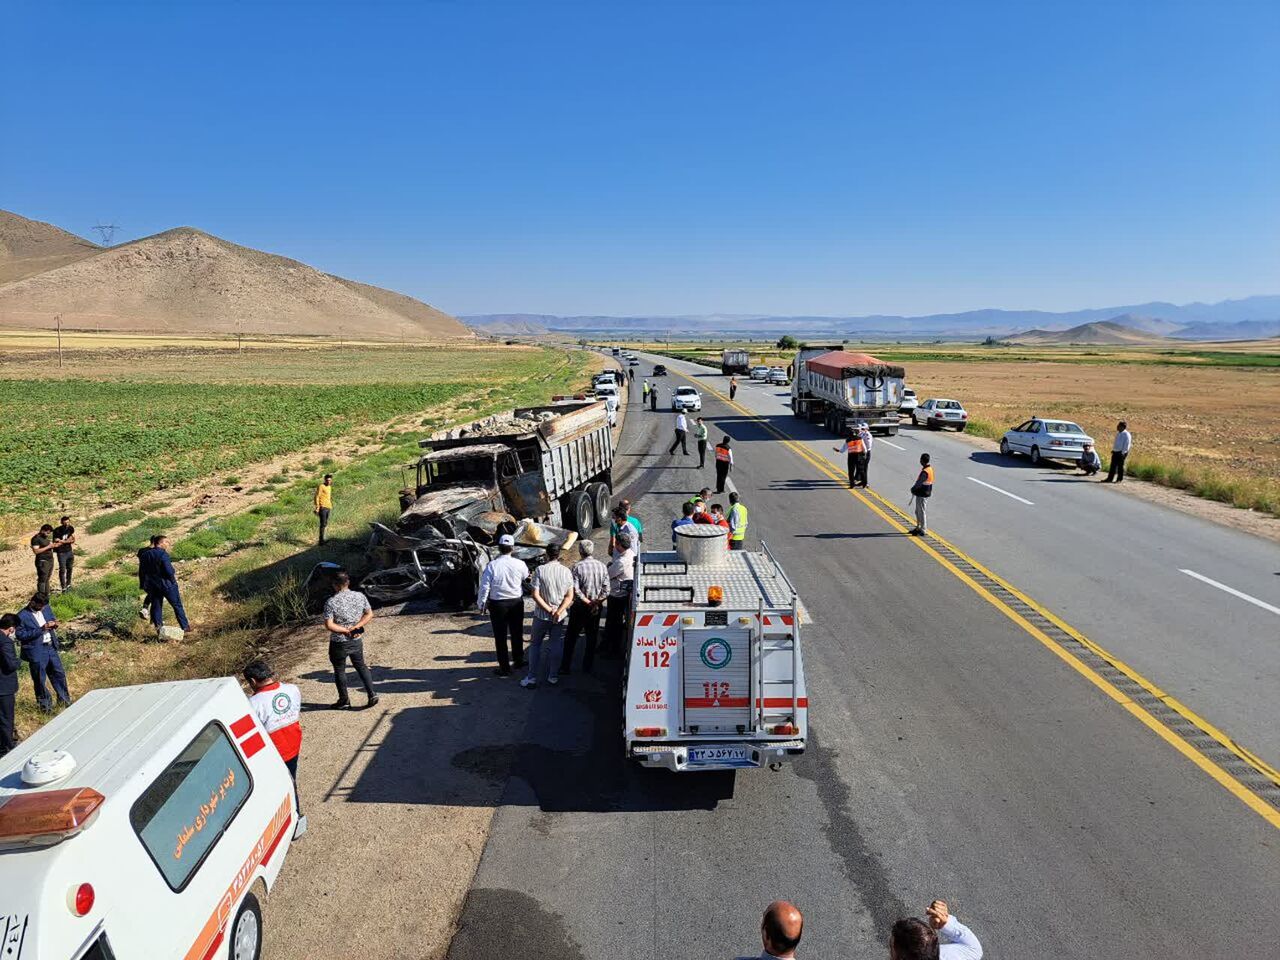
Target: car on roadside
<point>686,398</point>
<point>909,401</point>
<point>760,373</point>
<point>659,370</point>
<point>1045,438</point>
<point>633,361</point>
<point>778,375</point>
<point>936,413</point>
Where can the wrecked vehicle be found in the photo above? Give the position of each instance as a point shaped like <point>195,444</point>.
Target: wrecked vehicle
<point>543,474</point>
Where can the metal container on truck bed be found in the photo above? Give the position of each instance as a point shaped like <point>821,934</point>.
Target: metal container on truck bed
<point>840,389</point>
<point>735,361</point>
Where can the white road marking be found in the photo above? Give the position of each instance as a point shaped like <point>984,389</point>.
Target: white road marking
<point>1012,496</point>
<point>1231,590</point>
<point>890,443</point>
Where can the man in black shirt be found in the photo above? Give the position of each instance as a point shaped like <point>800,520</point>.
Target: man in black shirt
<point>42,547</point>
<point>64,540</point>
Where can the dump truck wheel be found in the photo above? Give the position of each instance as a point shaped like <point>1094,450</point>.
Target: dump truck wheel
<point>579,513</point>
<point>599,496</point>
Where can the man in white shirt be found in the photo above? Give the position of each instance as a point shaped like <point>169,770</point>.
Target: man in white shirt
<point>622,575</point>
<point>552,595</point>
<point>943,937</point>
<point>1119,453</point>
<point>682,434</point>
<point>502,597</point>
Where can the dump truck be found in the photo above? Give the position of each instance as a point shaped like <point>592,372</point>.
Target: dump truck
<point>735,361</point>
<point>841,389</point>
<point>543,474</point>
<point>715,671</point>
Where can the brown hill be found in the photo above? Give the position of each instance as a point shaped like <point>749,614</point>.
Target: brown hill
<point>28,247</point>
<point>1100,332</point>
<point>187,281</point>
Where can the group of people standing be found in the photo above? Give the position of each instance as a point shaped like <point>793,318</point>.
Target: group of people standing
<point>54,544</point>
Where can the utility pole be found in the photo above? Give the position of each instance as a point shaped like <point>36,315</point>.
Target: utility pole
<point>106,231</point>
<point>58,321</point>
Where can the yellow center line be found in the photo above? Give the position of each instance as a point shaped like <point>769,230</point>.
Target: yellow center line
<point>892,515</point>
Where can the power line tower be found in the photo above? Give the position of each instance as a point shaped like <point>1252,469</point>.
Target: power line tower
<point>106,232</point>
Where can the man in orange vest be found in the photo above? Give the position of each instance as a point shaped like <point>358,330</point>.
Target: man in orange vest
<point>724,463</point>
<point>922,491</point>
<point>856,449</point>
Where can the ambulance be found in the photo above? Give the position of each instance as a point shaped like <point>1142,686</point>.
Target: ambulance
<point>715,672</point>
<point>144,822</point>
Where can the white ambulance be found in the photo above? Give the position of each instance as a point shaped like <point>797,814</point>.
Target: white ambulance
<point>715,673</point>
<point>145,822</point>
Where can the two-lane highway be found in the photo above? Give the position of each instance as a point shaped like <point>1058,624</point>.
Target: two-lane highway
<point>952,755</point>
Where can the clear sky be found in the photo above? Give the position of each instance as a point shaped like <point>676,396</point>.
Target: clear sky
<point>672,157</point>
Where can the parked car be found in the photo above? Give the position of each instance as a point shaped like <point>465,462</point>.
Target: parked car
<point>686,398</point>
<point>909,400</point>
<point>759,373</point>
<point>659,370</point>
<point>1043,439</point>
<point>937,413</point>
<point>633,361</point>
<point>777,375</point>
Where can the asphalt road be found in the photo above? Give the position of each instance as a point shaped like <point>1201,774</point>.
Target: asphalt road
<point>951,755</point>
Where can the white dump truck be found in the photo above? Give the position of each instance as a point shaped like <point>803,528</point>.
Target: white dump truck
<point>715,673</point>
<point>840,389</point>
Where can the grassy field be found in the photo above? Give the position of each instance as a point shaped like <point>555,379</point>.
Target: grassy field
<point>242,570</point>
<point>1205,418</point>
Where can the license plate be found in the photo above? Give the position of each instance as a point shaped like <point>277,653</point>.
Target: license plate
<point>719,754</point>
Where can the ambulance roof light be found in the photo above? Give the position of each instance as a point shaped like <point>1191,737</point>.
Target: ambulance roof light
<point>47,815</point>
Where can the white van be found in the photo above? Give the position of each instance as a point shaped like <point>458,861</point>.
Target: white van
<point>146,821</point>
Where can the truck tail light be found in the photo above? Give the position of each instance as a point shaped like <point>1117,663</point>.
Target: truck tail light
<point>651,731</point>
<point>47,813</point>
<point>81,899</point>
<point>788,729</point>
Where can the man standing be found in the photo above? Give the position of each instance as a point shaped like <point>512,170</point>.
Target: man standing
<point>502,597</point>
<point>856,458</point>
<point>324,502</point>
<point>1119,453</point>
<point>724,463</point>
<point>644,391</point>
<point>622,575</point>
<point>922,490</point>
<point>590,590</point>
<point>737,522</point>
<point>346,614</point>
<point>865,433</point>
<point>160,581</point>
<point>682,434</point>
<point>653,398</point>
<point>37,633</point>
<point>780,931</point>
<point>64,546</point>
<point>733,387</point>
<point>278,707</point>
<point>42,547</point>
<point>622,516</point>
<point>552,596</point>
<point>700,435</point>
<point>9,664</point>
<point>942,937</point>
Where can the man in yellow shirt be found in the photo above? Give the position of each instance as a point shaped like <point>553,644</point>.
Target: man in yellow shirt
<point>324,502</point>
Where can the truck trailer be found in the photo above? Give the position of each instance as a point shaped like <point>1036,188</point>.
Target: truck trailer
<point>841,389</point>
<point>715,673</point>
<point>735,361</point>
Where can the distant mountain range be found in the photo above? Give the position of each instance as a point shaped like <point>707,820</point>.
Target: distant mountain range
<point>1248,319</point>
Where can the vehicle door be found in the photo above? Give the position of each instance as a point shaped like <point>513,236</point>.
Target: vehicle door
<point>522,485</point>
<point>1029,436</point>
<point>923,410</point>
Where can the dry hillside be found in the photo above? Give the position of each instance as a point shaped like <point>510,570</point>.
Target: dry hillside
<point>1099,332</point>
<point>186,281</point>
<point>28,247</point>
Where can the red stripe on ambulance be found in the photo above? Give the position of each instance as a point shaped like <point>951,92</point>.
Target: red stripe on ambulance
<point>671,620</point>
<point>802,702</point>
<point>645,619</point>
<point>252,745</point>
<point>706,702</point>
<point>242,726</point>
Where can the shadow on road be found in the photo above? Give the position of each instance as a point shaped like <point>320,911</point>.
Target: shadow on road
<point>996,459</point>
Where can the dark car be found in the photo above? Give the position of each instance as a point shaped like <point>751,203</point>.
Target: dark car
<point>659,370</point>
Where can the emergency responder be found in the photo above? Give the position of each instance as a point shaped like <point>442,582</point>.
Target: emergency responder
<point>724,463</point>
<point>733,387</point>
<point>278,707</point>
<point>737,522</point>
<point>700,435</point>
<point>644,391</point>
<point>856,454</point>
<point>921,492</point>
<point>864,432</point>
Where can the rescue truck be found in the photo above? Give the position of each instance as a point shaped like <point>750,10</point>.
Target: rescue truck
<point>715,674</point>
<point>146,821</point>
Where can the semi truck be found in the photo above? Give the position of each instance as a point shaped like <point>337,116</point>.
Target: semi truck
<point>735,361</point>
<point>840,389</point>
<point>714,671</point>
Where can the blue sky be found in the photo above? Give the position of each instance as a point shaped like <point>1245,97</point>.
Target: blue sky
<point>672,157</point>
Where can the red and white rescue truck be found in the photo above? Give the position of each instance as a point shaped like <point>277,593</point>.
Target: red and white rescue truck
<point>146,821</point>
<point>715,674</point>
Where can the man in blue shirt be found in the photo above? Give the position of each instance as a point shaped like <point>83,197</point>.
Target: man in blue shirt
<point>683,521</point>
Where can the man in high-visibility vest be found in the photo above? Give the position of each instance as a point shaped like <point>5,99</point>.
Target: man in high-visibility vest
<point>856,450</point>
<point>724,463</point>
<point>700,435</point>
<point>922,491</point>
<point>737,522</point>
<point>644,391</point>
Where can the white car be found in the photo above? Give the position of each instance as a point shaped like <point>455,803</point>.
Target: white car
<point>909,400</point>
<point>686,398</point>
<point>1045,439</point>
<point>759,373</point>
<point>777,375</point>
<point>937,413</point>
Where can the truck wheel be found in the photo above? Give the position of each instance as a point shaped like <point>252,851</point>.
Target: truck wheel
<point>598,493</point>
<point>246,931</point>
<point>579,514</point>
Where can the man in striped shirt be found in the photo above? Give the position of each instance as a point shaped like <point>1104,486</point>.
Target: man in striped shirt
<point>590,590</point>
